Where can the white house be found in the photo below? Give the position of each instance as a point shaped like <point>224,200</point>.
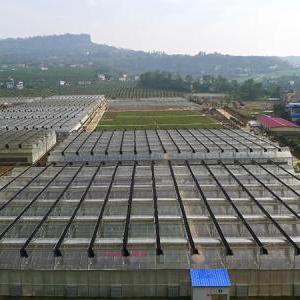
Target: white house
<point>20,85</point>
<point>10,84</point>
<point>101,77</point>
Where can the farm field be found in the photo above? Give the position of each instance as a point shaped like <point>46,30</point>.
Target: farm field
<point>157,119</point>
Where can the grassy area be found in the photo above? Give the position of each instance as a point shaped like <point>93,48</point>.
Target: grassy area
<point>158,119</point>
<point>293,142</point>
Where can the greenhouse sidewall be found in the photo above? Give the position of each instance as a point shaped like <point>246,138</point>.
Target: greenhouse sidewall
<point>141,283</point>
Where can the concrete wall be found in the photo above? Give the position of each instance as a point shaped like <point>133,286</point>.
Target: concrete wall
<point>207,293</point>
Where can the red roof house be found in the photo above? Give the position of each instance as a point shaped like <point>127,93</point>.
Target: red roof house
<point>276,124</point>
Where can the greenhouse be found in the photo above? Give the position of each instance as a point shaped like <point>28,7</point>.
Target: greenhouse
<point>25,146</point>
<point>17,100</point>
<point>128,213</point>
<point>84,230</point>
<point>167,144</point>
<point>64,114</point>
<point>174,103</point>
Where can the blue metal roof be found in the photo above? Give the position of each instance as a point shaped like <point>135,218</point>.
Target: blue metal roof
<point>210,278</point>
<point>293,104</point>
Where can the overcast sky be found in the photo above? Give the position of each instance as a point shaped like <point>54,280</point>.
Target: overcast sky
<point>257,27</point>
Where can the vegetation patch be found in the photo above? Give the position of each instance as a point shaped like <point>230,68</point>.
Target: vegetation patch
<point>246,90</point>
<point>293,142</point>
<point>156,119</point>
<point>49,86</point>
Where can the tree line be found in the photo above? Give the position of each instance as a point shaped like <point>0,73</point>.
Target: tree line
<point>246,90</point>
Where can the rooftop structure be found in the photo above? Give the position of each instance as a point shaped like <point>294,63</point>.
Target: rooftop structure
<point>176,144</point>
<point>23,146</point>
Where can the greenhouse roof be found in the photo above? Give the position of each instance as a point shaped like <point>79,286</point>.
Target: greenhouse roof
<point>119,209</point>
<point>166,144</point>
<point>61,113</point>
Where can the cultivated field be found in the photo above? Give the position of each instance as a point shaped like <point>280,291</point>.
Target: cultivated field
<point>156,119</point>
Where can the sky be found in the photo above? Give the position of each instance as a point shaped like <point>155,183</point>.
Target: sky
<point>237,27</point>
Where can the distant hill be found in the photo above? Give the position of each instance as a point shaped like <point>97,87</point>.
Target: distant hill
<point>79,49</point>
<point>293,60</point>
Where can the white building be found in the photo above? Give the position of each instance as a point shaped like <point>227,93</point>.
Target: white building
<point>20,85</point>
<point>10,84</point>
<point>123,77</point>
<point>84,82</point>
<point>101,77</point>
